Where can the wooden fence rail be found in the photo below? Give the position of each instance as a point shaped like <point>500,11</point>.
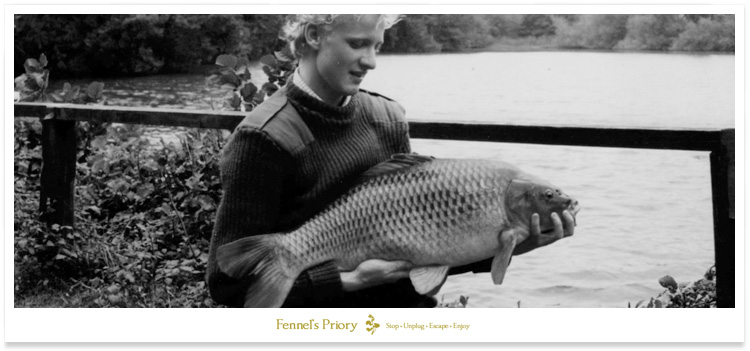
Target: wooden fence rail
<point>59,150</point>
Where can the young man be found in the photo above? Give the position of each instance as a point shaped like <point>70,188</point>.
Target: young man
<point>303,147</point>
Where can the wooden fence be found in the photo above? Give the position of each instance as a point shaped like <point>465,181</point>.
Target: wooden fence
<point>59,155</point>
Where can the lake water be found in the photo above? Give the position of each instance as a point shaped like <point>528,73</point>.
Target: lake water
<point>646,213</point>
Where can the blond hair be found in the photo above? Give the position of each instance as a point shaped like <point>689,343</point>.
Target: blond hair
<point>294,28</point>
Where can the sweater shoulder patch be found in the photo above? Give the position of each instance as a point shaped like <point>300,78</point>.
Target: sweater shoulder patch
<point>281,122</point>
<point>384,109</point>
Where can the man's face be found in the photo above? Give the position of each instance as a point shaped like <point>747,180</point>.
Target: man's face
<point>346,53</point>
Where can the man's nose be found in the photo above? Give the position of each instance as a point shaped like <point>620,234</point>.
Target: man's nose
<point>368,61</point>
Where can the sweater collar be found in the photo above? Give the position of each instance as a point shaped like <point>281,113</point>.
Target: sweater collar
<point>300,83</point>
<point>319,110</point>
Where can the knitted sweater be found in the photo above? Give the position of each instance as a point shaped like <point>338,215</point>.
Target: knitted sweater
<point>276,174</point>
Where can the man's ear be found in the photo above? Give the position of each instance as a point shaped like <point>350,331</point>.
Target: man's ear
<point>313,36</point>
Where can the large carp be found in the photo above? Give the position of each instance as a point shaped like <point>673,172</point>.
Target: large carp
<point>435,213</point>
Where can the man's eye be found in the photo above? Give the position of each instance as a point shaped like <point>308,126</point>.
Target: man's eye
<point>357,44</point>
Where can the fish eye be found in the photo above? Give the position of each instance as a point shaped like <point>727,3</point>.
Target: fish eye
<point>548,194</point>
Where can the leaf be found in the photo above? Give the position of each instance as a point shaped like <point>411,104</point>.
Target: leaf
<point>206,202</point>
<point>376,325</point>
<point>56,97</point>
<point>129,276</point>
<point>270,60</point>
<point>248,91</point>
<point>229,77</point>
<point>234,101</point>
<point>67,87</point>
<point>245,73</point>
<point>43,60</point>
<point>269,88</point>
<point>463,300</point>
<point>194,180</point>
<point>269,72</point>
<point>40,79</point>
<point>94,90</point>
<point>242,61</point>
<point>227,61</point>
<point>74,93</point>
<point>368,323</point>
<point>668,282</point>
<point>60,257</point>
<point>213,79</point>
<point>144,190</point>
<point>114,299</point>
<point>21,81</point>
<point>259,97</point>
<point>32,66</point>
<point>113,289</point>
<point>94,209</point>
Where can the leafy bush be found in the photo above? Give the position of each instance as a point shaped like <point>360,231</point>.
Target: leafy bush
<point>652,32</point>
<point>505,25</point>
<point>536,26</point>
<point>144,217</point>
<point>144,209</point>
<point>105,45</point>
<point>144,213</point>
<point>461,32</point>
<point>412,34</point>
<point>591,31</point>
<point>707,35</point>
<point>699,294</point>
<point>233,76</point>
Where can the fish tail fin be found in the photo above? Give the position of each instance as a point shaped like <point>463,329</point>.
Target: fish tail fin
<point>256,256</point>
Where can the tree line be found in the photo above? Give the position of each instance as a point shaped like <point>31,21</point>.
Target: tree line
<point>104,45</point>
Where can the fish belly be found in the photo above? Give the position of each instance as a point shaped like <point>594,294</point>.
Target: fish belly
<point>440,213</point>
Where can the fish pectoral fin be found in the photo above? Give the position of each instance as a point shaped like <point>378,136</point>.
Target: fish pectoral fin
<point>502,259</point>
<point>428,280</point>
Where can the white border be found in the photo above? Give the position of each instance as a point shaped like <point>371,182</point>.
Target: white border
<point>487,325</point>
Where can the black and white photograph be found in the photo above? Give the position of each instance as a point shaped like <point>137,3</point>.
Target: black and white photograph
<point>365,164</point>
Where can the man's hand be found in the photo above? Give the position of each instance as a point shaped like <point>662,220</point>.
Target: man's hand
<point>538,239</point>
<point>375,272</point>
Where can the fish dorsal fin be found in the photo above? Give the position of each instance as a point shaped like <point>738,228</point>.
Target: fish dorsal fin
<point>395,163</point>
<point>428,280</point>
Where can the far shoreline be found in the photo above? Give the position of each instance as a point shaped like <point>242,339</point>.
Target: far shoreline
<point>506,45</point>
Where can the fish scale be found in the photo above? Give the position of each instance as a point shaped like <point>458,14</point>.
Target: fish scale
<point>434,213</point>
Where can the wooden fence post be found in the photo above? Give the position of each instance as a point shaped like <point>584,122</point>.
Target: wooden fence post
<point>722,184</point>
<point>59,148</point>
